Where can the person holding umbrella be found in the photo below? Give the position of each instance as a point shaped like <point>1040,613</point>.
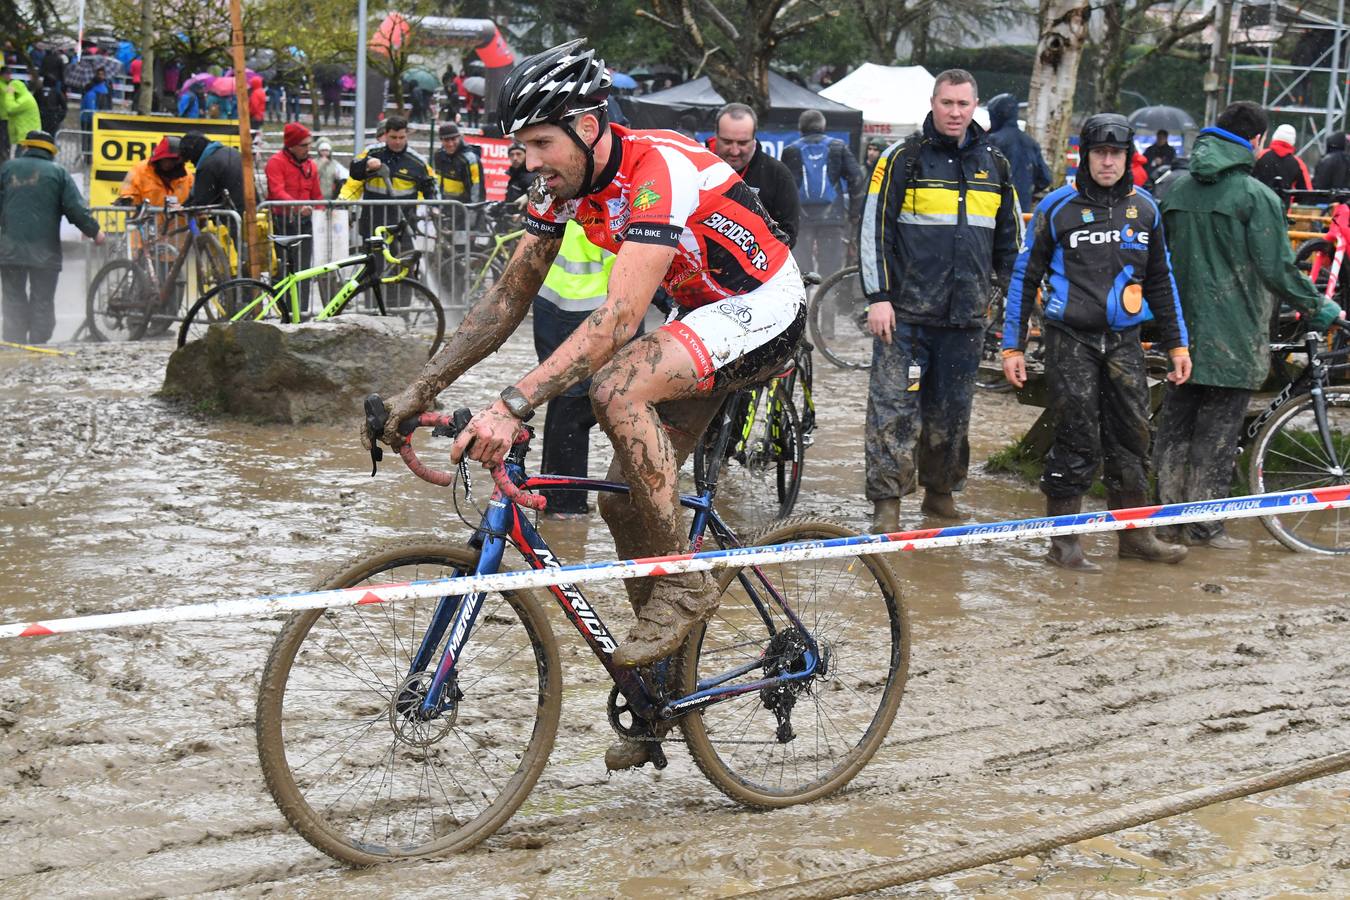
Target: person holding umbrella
<point>192,104</point>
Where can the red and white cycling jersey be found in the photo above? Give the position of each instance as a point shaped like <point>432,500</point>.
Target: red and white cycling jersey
<point>663,188</point>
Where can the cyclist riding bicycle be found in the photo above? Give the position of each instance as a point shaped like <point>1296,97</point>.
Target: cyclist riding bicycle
<point>677,217</point>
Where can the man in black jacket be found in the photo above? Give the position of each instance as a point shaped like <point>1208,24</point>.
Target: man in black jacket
<point>52,106</point>
<point>939,224</point>
<point>1333,171</point>
<point>218,169</point>
<point>519,179</point>
<point>771,181</point>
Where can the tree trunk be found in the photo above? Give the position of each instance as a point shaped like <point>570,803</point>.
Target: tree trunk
<point>1111,52</point>
<point>919,41</point>
<point>1064,32</point>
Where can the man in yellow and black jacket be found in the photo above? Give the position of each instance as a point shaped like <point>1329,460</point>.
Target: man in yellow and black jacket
<point>388,171</point>
<point>458,170</point>
<point>939,223</point>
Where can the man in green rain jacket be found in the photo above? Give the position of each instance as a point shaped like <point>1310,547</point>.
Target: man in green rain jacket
<point>17,106</point>
<point>1232,263</point>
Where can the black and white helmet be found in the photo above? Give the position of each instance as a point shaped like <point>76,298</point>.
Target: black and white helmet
<point>553,86</point>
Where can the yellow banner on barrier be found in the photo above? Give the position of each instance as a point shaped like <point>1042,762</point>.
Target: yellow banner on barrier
<point>121,141</point>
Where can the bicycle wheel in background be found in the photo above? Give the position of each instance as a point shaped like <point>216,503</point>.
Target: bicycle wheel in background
<point>117,305</point>
<point>222,302</point>
<point>838,320</point>
<point>801,740</point>
<point>1290,455</point>
<point>761,477</point>
<point>418,308</point>
<point>348,759</point>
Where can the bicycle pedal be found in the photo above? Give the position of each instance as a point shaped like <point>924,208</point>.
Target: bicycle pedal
<point>656,755</point>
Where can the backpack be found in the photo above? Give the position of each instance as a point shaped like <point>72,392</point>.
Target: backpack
<point>819,185</point>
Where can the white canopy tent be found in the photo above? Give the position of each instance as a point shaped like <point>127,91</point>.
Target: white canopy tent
<point>893,99</point>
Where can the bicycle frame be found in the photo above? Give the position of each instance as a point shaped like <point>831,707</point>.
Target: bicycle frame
<point>1339,233</point>
<point>288,289</point>
<point>503,522</point>
<point>499,242</point>
<point>1312,380</point>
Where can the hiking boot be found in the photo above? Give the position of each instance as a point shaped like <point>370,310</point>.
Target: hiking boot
<point>1142,543</point>
<point>1065,549</point>
<point>677,603</point>
<point>627,754</point>
<point>941,506</point>
<point>886,516</point>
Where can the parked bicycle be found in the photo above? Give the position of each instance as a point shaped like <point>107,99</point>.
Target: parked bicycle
<point>762,463</point>
<point>247,299</point>
<point>393,733</point>
<point>1302,441</point>
<point>172,261</point>
<point>477,256</point>
<point>838,320</point>
<point>1321,260</point>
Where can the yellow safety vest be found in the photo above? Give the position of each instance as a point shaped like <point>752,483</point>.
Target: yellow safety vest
<point>578,281</point>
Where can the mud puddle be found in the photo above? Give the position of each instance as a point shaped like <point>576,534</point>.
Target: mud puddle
<point>127,763</point>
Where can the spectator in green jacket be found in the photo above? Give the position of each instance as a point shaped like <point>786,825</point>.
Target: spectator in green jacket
<point>17,106</point>
<point>1232,263</point>
<point>34,194</point>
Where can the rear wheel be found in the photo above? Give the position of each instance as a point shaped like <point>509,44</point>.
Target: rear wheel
<point>223,302</point>
<point>346,753</point>
<point>838,320</point>
<point>1290,454</point>
<point>119,302</point>
<point>798,740</point>
<point>410,301</point>
<point>761,476</point>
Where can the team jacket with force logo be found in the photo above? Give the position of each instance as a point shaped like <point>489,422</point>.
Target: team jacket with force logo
<point>940,222</point>
<point>1102,256</point>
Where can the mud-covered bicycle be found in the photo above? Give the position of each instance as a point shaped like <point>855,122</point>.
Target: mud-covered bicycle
<point>389,733</point>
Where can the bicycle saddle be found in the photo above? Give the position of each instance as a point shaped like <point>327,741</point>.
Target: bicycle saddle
<point>288,240</point>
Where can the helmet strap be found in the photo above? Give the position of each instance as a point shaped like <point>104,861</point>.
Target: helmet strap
<point>588,149</point>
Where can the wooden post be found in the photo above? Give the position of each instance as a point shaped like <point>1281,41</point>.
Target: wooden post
<point>245,139</point>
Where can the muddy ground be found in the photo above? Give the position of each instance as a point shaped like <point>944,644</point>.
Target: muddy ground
<point>127,761</point>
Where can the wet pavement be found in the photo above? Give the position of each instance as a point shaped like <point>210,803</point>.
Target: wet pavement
<point>127,760</point>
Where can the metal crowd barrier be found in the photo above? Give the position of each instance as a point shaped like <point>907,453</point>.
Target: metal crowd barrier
<point>442,231</point>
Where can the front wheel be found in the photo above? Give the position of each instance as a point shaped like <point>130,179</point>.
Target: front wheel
<point>413,303</point>
<point>838,320</point>
<point>798,740</point>
<point>1290,454</point>
<point>118,305</point>
<point>346,752</point>
<point>225,301</point>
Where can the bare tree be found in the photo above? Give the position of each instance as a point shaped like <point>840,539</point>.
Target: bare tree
<point>736,56</point>
<point>25,22</point>
<point>1063,28</point>
<point>885,22</point>
<point>1127,22</point>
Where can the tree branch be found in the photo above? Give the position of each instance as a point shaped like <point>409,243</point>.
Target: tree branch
<point>1166,44</point>
<point>722,21</point>
<point>802,25</point>
<point>642,13</point>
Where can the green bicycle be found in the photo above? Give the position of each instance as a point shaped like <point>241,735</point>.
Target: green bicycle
<point>467,273</point>
<point>241,299</point>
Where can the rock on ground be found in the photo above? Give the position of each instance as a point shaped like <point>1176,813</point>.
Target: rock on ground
<point>294,374</point>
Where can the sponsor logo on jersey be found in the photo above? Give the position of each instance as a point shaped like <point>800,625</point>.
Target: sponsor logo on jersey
<point>646,197</point>
<point>1088,216</point>
<point>1127,237</point>
<point>982,175</point>
<point>1131,212</point>
<point>619,213</point>
<point>742,237</point>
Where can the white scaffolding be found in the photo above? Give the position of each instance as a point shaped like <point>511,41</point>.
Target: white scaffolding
<point>1298,91</point>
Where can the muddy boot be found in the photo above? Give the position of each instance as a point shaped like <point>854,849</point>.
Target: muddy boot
<point>941,506</point>
<point>627,754</point>
<point>677,604</point>
<point>1142,543</point>
<point>1065,550</point>
<point>886,516</point>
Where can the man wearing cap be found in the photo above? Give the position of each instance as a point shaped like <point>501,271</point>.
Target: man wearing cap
<point>1100,242</point>
<point>161,180</point>
<point>34,194</point>
<point>458,171</point>
<point>518,178</point>
<point>1279,168</point>
<point>292,176</point>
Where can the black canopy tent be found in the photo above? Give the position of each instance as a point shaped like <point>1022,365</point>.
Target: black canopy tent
<point>787,100</point>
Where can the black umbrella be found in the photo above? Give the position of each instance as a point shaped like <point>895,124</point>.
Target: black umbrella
<point>80,74</point>
<point>1169,118</point>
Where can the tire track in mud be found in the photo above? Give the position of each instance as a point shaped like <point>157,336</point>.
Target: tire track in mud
<point>127,759</point>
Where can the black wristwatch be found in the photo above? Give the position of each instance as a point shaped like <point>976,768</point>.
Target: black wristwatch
<point>516,404</point>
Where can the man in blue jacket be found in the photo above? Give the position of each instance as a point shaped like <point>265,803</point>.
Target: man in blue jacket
<point>1100,244</point>
<point>1030,174</point>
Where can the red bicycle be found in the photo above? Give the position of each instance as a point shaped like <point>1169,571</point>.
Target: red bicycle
<point>1321,260</point>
